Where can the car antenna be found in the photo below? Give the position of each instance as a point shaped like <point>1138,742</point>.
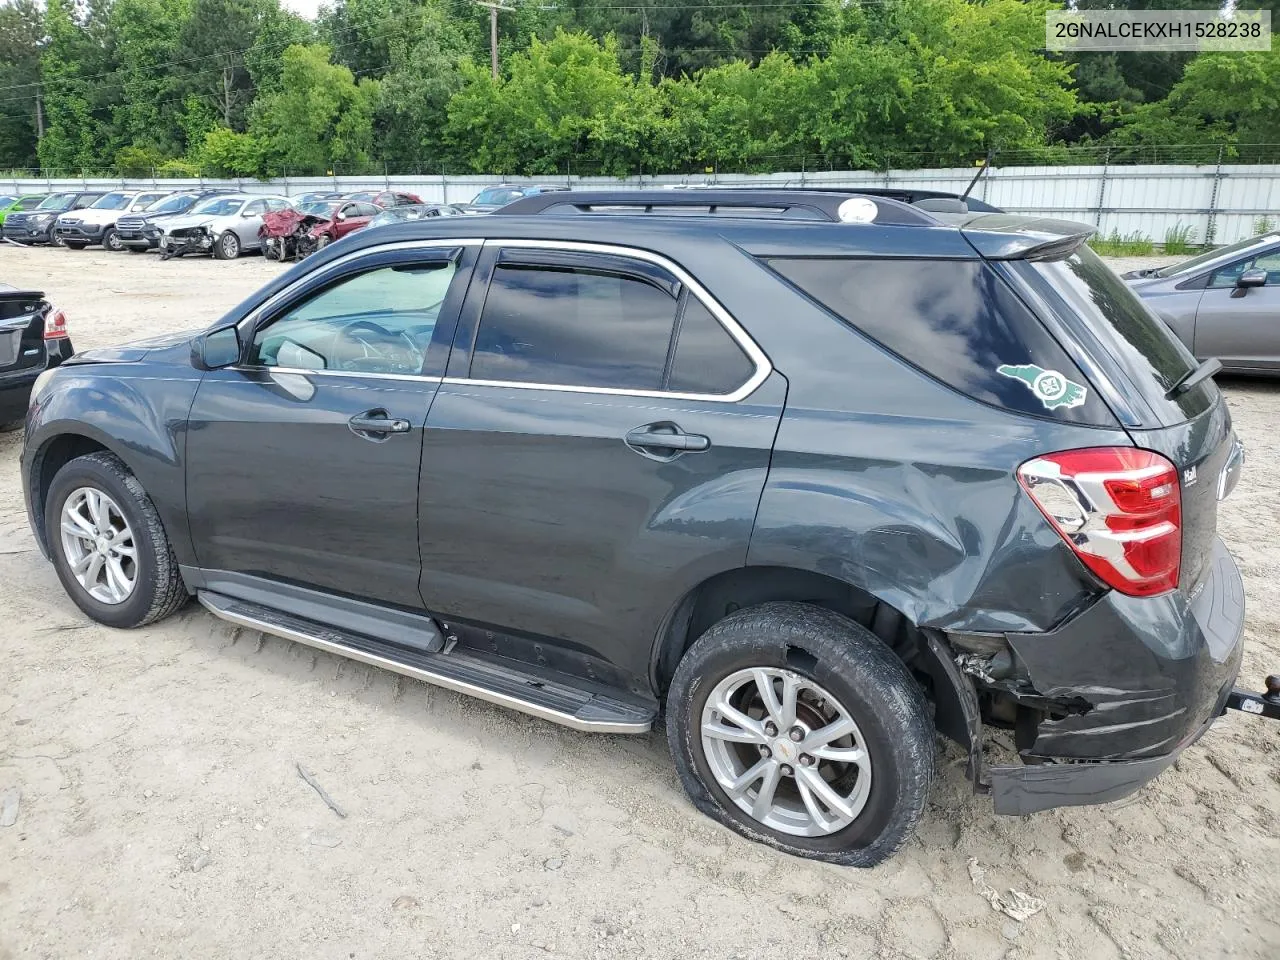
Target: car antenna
<point>982,168</point>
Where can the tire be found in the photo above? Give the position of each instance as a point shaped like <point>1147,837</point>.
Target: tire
<point>273,249</point>
<point>74,244</point>
<point>860,679</point>
<point>157,589</point>
<point>111,240</point>
<point>227,246</point>
<point>133,249</point>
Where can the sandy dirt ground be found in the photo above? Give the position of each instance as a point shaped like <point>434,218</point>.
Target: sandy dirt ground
<point>162,813</point>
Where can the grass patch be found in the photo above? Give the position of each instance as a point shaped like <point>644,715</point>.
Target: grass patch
<point>1129,245</point>
<point>1179,239</point>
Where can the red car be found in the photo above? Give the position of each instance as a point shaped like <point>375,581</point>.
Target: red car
<point>300,231</point>
<point>385,198</point>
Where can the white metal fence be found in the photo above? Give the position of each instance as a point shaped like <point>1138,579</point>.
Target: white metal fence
<point>1218,203</point>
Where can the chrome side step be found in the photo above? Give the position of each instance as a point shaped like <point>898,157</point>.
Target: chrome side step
<point>504,684</point>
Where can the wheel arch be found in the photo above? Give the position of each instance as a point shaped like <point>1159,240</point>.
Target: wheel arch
<point>50,456</point>
<point>925,651</point>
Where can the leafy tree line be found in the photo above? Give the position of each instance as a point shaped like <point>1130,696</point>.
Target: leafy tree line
<point>246,88</point>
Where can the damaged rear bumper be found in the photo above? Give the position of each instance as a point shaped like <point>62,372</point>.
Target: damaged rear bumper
<point>1149,675</point>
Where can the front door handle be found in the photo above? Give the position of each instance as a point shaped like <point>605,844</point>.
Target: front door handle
<point>377,422</point>
<point>666,437</point>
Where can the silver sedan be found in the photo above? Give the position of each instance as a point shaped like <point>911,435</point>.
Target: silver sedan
<point>225,226</point>
<point>1224,304</point>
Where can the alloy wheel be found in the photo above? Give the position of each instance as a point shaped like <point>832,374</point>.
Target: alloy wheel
<point>99,546</point>
<point>786,752</point>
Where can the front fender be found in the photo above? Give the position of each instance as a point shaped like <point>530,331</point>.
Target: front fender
<point>138,412</point>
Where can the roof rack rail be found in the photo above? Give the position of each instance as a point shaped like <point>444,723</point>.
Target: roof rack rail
<point>829,206</point>
<point>904,194</point>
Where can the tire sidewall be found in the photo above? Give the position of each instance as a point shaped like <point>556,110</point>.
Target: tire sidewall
<point>222,246</point>
<point>88,473</point>
<point>901,759</point>
<point>111,241</point>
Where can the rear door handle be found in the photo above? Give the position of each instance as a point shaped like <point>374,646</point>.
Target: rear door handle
<point>377,422</point>
<point>666,436</point>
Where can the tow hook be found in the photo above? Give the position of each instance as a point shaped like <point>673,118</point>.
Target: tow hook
<point>1259,704</point>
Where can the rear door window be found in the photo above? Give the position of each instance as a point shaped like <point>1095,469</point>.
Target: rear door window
<point>707,360</point>
<point>574,326</point>
<point>958,322</point>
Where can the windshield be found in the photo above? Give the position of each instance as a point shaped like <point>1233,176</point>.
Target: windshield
<point>498,195</point>
<point>57,201</point>
<point>1190,266</point>
<point>111,201</point>
<point>1122,326</point>
<point>6,202</point>
<point>218,206</point>
<point>320,208</point>
<point>172,204</point>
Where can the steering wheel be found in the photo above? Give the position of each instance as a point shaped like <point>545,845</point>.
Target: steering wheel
<point>387,354</point>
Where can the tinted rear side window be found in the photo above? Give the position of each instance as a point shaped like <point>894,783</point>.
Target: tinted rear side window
<point>957,321</point>
<point>707,359</point>
<point>574,327</point>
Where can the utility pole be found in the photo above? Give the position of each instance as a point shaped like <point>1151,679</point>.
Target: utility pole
<point>493,31</point>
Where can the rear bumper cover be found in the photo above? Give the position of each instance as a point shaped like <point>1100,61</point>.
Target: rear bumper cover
<point>1151,675</point>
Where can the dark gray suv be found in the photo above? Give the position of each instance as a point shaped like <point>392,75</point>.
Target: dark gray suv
<point>819,474</point>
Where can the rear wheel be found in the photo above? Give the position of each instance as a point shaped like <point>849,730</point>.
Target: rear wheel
<point>227,247</point>
<point>799,728</point>
<point>108,544</point>
<point>111,240</point>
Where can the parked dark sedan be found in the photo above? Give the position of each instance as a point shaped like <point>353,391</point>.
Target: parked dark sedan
<point>33,339</point>
<point>1223,305</point>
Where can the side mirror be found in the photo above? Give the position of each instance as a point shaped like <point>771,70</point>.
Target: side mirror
<point>1253,277</point>
<point>216,349</point>
<point>340,216</point>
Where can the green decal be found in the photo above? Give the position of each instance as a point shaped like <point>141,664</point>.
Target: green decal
<point>1050,387</point>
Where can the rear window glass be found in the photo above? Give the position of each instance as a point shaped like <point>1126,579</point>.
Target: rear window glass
<point>1152,358</point>
<point>957,321</point>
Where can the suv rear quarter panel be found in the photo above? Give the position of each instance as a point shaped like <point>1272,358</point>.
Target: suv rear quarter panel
<point>889,480</point>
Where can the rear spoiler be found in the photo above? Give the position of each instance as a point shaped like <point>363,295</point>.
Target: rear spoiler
<point>9,295</point>
<point>1007,237</point>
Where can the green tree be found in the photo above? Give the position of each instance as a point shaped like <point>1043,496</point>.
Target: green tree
<point>318,118</point>
<point>144,108</point>
<point>72,62</point>
<point>225,153</point>
<point>21,33</point>
<point>563,101</point>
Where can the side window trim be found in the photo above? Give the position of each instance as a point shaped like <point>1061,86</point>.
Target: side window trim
<point>468,325</point>
<point>462,252</point>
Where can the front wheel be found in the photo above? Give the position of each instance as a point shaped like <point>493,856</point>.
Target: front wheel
<point>797,727</point>
<point>111,240</point>
<point>227,247</point>
<point>108,544</point>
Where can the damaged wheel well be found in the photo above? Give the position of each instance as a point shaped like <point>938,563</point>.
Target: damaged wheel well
<point>925,652</point>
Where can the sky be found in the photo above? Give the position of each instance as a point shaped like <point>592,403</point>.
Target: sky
<point>306,8</point>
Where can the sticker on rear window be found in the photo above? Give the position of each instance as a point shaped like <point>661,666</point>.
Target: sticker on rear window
<point>1050,387</point>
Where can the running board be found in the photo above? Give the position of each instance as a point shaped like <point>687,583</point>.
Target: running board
<point>503,683</point>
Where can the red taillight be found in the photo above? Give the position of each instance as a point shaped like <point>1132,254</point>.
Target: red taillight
<point>1119,509</point>
<point>55,325</point>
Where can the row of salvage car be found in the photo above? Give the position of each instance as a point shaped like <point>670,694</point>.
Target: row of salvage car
<point>220,222</point>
